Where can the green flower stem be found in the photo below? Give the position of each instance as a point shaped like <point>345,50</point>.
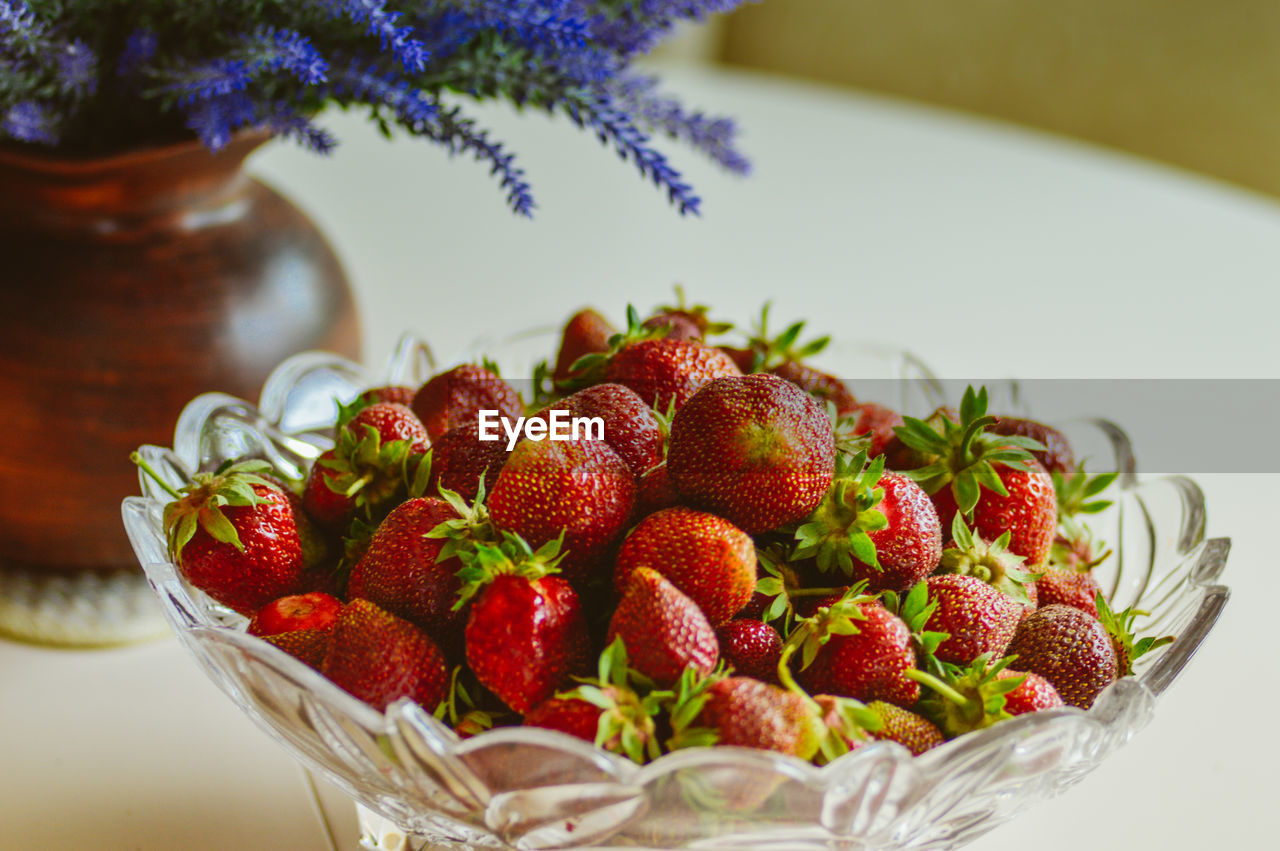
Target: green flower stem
<point>150,471</point>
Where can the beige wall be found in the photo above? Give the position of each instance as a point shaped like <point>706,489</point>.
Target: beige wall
<point>1192,82</point>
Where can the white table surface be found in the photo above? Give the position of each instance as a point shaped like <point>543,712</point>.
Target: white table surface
<point>880,220</point>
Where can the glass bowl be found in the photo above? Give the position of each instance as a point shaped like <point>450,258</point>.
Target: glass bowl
<point>417,785</point>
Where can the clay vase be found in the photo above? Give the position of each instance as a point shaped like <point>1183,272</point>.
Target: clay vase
<point>130,284</point>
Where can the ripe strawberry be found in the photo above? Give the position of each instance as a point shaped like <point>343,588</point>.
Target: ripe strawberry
<point>525,634</point>
<point>705,556</point>
<point>693,317</point>
<point>873,525</point>
<point>821,385</point>
<point>754,449</point>
<point>879,421</point>
<point>608,709</point>
<point>1056,455</point>
<point>236,536</point>
<point>857,648</point>
<point>586,332</point>
<point>667,372</point>
<point>751,648</point>
<point>322,497</point>
<point>1032,695</point>
<point>457,396</point>
<point>630,427</point>
<point>308,646</point>
<point>380,658</point>
<point>991,477</point>
<point>1069,587</point>
<point>392,421</point>
<point>315,611</point>
<point>978,618</point>
<point>397,393</point>
<point>654,491</point>
<point>664,631</point>
<point>459,458</point>
<point>1068,648</point>
<point>746,713</point>
<point>580,489</point>
<point>992,562</point>
<point>675,325</point>
<point>402,573</point>
<point>912,731</point>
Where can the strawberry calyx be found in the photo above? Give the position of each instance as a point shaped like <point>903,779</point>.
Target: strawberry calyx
<point>963,454</point>
<point>782,583</point>
<point>626,723</point>
<point>811,633</point>
<point>849,441</point>
<point>199,504</point>
<point>991,561</point>
<point>371,473</point>
<point>461,711</point>
<point>835,534</point>
<point>844,719</point>
<point>469,529</point>
<point>695,313</point>
<point>1076,493</point>
<point>590,368</point>
<point>768,353</point>
<point>691,695</point>
<point>965,699</point>
<point>512,556</point>
<point>914,610</point>
<point>1119,626</point>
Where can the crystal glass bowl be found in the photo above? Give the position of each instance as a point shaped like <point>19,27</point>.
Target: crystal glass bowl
<point>417,785</point>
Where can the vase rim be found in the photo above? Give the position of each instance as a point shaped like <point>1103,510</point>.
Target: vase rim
<point>242,142</point>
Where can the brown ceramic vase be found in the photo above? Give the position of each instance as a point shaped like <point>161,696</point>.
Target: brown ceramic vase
<point>130,284</point>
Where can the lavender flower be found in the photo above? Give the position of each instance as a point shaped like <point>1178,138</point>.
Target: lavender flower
<point>214,119</point>
<point>20,31</point>
<point>28,121</point>
<point>78,69</point>
<point>363,83</point>
<point>659,113</point>
<point>139,49</point>
<point>411,52</point>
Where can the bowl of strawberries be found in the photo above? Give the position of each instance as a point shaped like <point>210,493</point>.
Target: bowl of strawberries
<point>629,587</point>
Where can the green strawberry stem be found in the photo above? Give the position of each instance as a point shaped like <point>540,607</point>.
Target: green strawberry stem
<point>938,685</point>
<point>155,477</point>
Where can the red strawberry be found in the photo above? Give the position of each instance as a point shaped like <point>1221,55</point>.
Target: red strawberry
<point>392,421</point>
<point>962,700</point>
<point>654,491</point>
<point>970,555</point>
<point>1056,455</point>
<point>1069,587</point>
<point>322,497</point>
<point>459,458</point>
<point>676,325</point>
<point>579,488</point>
<point>308,646</point>
<point>399,394</point>
<point>825,387</point>
<point>752,648</point>
<point>705,556</point>
<point>989,476</point>
<point>401,572</point>
<point>879,421</point>
<point>978,618</point>
<point>380,658</point>
<point>746,713</point>
<point>913,732</point>
<point>1068,648</point>
<point>754,449</point>
<point>857,648</point>
<point>873,525</point>
<point>607,709</point>
<point>692,319</point>
<point>586,332</point>
<point>666,372</point>
<point>457,396</point>
<point>1032,695</point>
<point>236,536</point>
<point>663,630</point>
<point>314,611</point>
<point>525,634</point>
<point>630,427</point>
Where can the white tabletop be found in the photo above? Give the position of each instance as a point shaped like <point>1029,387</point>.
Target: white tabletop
<point>879,220</point>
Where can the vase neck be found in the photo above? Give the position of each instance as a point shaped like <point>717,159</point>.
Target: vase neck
<point>180,186</point>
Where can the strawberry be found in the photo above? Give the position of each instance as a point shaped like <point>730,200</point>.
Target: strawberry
<point>315,611</point>
<point>873,525</point>
<point>784,356</point>
<point>878,420</point>
<point>654,491</point>
<point>397,393</point>
<point>630,427</point>
<point>1032,695</point>
<point>457,396</point>
<point>820,385</point>
<point>914,732</point>
<point>746,713</point>
<point>608,709</point>
<point>664,631</point>
<point>991,562</point>
<point>1068,648</point>
<point>1068,587</point>
<point>380,658</point>
<point>308,646</point>
<point>525,633</point>
<point>402,572</point>
<point>675,326</point>
<point>754,449</point>
<point>586,332</point>
<point>691,319</point>
<point>1056,455</point>
<point>705,556</point>
<point>992,478</point>
<point>459,458</point>
<point>970,698</point>
<point>854,647</point>
<point>377,452</point>
<point>847,723</point>
<point>978,618</point>
<point>236,536</point>
<point>580,489</point>
<point>751,648</point>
